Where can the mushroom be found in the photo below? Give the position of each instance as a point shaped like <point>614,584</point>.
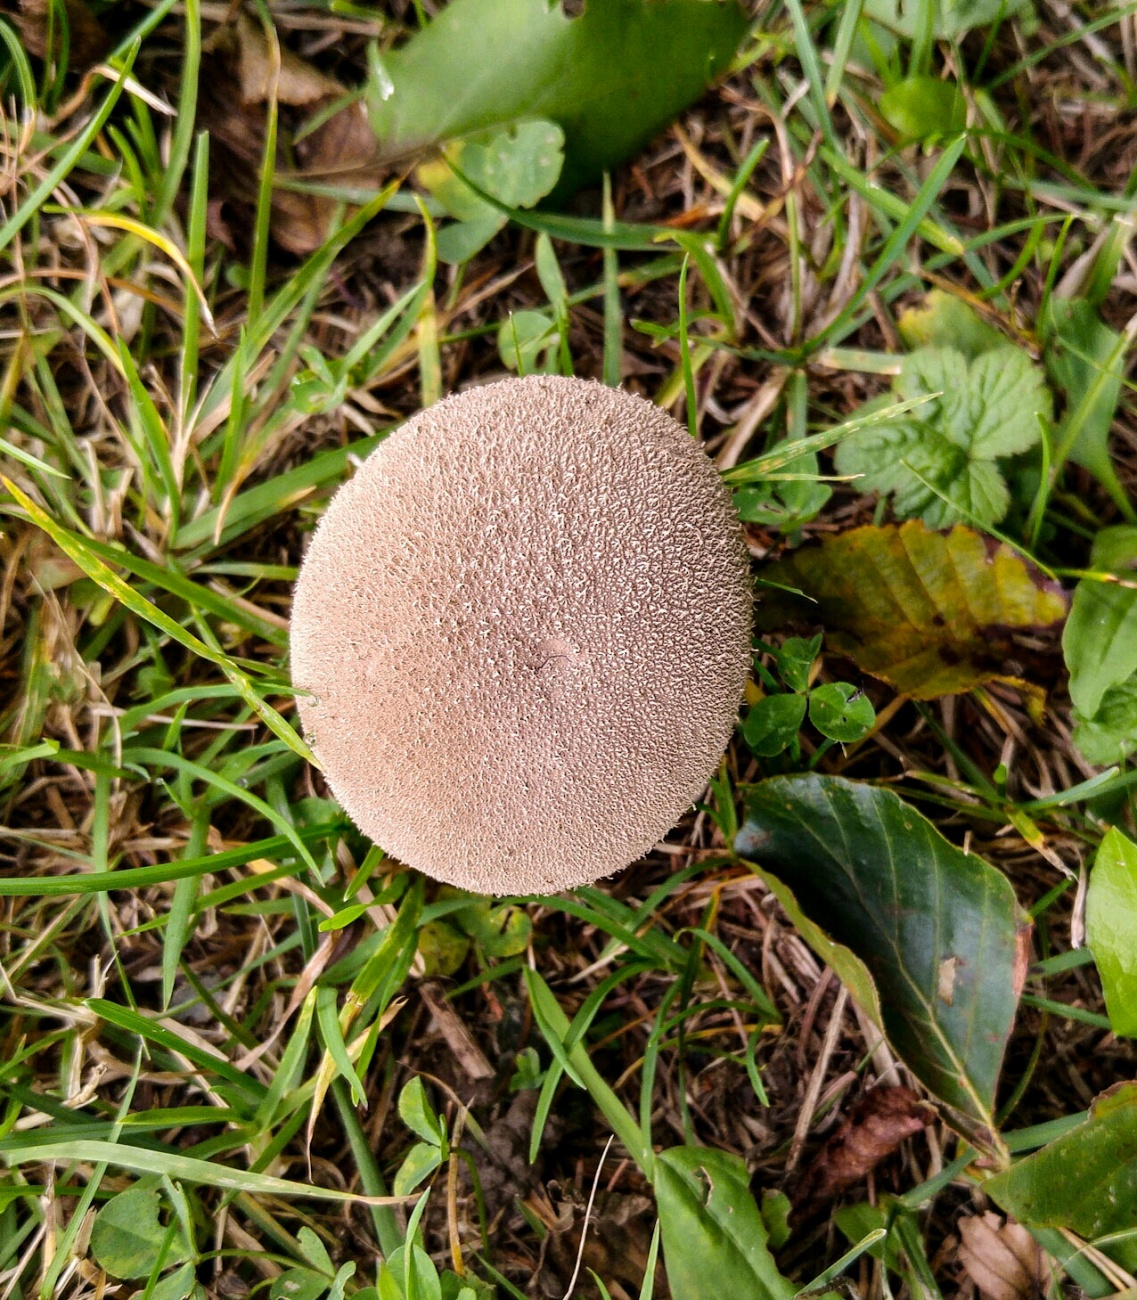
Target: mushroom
<point>521,633</point>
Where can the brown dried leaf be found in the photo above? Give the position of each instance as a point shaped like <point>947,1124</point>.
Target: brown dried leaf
<point>87,39</point>
<point>877,1125</point>
<point>1002,1259</point>
<point>340,148</point>
<point>933,613</point>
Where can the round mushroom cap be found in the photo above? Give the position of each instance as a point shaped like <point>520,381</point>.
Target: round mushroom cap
<point>521,634</point>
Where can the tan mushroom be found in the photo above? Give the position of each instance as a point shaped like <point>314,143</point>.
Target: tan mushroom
<point>521,633</point>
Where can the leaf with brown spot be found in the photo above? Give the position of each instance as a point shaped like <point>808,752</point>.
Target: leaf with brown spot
<point>1002,1259</point>
<point>933,613</point>
<point>876,1126</point>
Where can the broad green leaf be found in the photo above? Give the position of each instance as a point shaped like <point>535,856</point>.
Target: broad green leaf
<point>1110,736</point>
<point>1100,637</point>
<point>920,107</point>
<point>442,947</point>
<point>420,1162</point>
<point>936,927</point>
<point>299,1284</point>
<point>841,712</point>
<point>127,1236</point>
<point>315,1252</point>
<point>611,78</point>
<point>1085,1181</point>
<point>945,321</point>
<point>933,613</point>
<point>418,1114</point>
<point>941,462</point>
<point>1111,927</point>
<point>179,1284</point>
<point>773,722</point>
<point>714,1239</point>
<point>1085,359</point>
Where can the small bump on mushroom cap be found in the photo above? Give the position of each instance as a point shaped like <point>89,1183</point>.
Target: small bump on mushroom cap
<point>525,626</point>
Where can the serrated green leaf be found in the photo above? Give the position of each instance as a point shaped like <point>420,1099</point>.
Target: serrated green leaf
<point>1100,636</point>
<point>127,1235</point>
<point>1111,927</point>
<point>941,463</point>
<point>610,78</point>
<point>714,1239</point>
<point>841,712</point>
<point>933,613</point>
<point>772,723</point>
<point>1084,1181</point>
<point>936,927</point>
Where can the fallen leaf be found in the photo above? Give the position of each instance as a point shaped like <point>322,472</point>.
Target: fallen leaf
<point>933,613</point>
<point>1002,1259</point>
<point>339,148</point>
<point>880,1121</point>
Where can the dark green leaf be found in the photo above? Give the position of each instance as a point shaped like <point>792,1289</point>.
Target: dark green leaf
<point>841,712</point>
<point>773,723</point>
<point>935,926</point>
<point>714,1239</point>
<point>1111,927</point>
<point>179,1284</point>
<point>795,657</point>
<point>610,78</point>
<point>1085,1181</point>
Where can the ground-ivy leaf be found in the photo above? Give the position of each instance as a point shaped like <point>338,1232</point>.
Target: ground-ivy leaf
<point>714,1238</point>
<point>611,77</point>
<point>941,462</point>
<point>841,712</point>
<point>127,1236</point>
<point>1100,637</point>
<point>1084,1181</point>
<point>933,613</point>
<point>1111,927</point>
<point>936,927</point>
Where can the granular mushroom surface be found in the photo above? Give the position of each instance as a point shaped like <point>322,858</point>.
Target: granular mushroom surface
<point>521,633</point>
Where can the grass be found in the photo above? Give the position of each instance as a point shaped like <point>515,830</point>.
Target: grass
<point>213,990</point>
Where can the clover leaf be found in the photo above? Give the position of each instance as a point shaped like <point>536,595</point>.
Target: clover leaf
<point>941,462</point>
